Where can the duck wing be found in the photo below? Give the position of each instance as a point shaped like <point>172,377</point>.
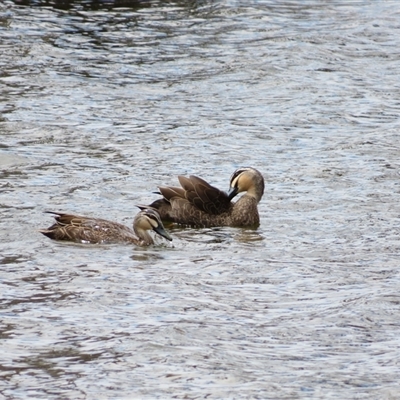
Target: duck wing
<point>69,219</point>
<point>82,229</point>
<point>203,196</point>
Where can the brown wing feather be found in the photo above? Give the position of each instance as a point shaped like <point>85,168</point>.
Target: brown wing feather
<point>204,196</point>
<point>94,230</point>
<point>191,203</point>
<point>169,192</point>
<point>186,183</point>
<point>68,219</point>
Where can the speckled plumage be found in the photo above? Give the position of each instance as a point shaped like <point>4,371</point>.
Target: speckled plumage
<point>197,203</point>
<point>80,229</point>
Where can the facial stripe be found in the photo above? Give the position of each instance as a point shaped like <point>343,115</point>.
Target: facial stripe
<point>152,221</point>
<point>235,176</point>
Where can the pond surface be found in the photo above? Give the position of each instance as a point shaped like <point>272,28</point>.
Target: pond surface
<point>100,102</point>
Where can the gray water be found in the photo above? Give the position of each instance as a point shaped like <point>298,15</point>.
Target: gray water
<point>100,104</point>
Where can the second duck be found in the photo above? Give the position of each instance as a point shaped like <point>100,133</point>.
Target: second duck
<point>75,228</point>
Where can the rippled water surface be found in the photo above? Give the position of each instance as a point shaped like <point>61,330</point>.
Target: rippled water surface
<point>100,102</point>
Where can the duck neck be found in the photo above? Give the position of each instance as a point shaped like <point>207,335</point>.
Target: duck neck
<point>255,192</point>
<point>143,235</point>
<point>245,213</point>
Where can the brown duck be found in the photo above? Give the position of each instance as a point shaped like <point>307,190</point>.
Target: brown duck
<point>80,229</point>
<point>197,203</point>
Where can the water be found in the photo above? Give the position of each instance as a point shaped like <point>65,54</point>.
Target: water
<point>100,104</point>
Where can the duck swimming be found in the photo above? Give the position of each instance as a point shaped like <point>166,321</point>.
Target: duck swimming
<point>197,203</point>
<point>80,229</point>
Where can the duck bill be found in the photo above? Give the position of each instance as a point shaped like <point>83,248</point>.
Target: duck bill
<point>162,232</point>
<point>232,193</point>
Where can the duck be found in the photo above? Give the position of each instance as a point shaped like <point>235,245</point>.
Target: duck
<point>197,203</point>
<point>76,228</point>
